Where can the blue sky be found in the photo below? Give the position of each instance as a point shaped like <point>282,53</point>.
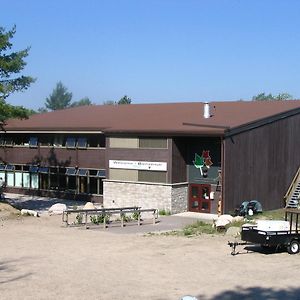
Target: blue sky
<point>157,50</point>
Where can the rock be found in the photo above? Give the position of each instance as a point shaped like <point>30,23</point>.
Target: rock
<point>238,219</point>
<point>57,209</point>
<point>223,220</point>
<point>28,212</point>
<point>89,205</point>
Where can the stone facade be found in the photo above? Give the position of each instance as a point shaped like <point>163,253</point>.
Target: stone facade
<point>179,198</point>
<point>166,197</point>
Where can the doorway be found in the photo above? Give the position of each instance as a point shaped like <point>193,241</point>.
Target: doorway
<point>199,198</point>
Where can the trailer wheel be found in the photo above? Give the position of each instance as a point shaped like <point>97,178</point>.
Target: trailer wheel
<point>293,247</point>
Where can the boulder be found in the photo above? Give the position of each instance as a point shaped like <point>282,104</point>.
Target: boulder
<point>223,220</point>
<point>89,205</point>
<point>238,219</point>
<point>57,209</point>
<point>28,212</point>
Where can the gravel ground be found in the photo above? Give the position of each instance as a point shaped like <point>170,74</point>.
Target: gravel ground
<point>41,259</point>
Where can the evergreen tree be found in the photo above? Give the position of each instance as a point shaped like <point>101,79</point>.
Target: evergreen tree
<point>11,64</point>
<point>270,97</point>
<point>82,102</point>
<point>124,100</point>
<point>60,98</point>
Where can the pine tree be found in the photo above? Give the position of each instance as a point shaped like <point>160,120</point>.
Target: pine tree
<point>60,98</point>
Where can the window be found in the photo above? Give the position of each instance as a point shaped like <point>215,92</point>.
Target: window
<point>9,143</point>
<point>43,169</point>
<point>33,169</point>
<point>71,171</point>
<point>101,173</point>
<point>71,142</point>
<point>2,167</point>
<point>82,172</point>
<point>33,142</point>
<point>82,143</point>
<point>10,168</point>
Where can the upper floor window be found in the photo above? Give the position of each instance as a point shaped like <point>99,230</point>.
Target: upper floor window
<point>33,142</point>
<point>82,172</point>
<point>81,143</point>
<point>71,171</point>
<point>71,142</point>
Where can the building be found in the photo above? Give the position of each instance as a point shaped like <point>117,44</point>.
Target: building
<point>175,156</point>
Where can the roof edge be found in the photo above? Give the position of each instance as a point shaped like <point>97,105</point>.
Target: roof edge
<point>261,122</point>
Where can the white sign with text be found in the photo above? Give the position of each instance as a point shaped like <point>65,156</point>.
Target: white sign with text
<point>138,165</point>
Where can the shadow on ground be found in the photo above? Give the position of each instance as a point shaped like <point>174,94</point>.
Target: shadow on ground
<point>257,293</point>
<point>39,204</point>
<point>9,270</point>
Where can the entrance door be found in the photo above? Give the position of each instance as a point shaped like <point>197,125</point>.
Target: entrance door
<point>199,200</point>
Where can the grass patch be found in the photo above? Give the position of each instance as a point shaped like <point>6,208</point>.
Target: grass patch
<point>277,214</point>
<point>194,229</point>
<point>164,212</point>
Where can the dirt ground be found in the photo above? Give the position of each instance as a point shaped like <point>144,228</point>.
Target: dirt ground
<point>41,259</point>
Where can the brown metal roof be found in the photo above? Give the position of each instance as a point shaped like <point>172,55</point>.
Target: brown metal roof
<point>168,118</point>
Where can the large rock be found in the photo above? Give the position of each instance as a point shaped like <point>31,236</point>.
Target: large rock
<point>29,212</point>
<point>57,209</point>
<point>223,220</point>
<point>89,205</point>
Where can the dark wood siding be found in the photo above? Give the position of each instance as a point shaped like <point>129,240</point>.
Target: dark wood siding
<point>260,163</point>
<point>179,153</point>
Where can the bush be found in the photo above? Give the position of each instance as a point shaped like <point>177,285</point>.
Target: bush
<point>99,219</point>
<point>135,216</point>
<point>164,212</point>
<point>79,218</point>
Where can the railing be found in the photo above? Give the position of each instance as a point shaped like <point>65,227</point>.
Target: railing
<point>292,187</point>
<point>107,212</point>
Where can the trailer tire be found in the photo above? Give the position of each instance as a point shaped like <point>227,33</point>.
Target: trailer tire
<point>293,247</point>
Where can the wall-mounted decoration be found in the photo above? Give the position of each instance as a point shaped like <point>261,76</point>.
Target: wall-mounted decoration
<point>203,162</point>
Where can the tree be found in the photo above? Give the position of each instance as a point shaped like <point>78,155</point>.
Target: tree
<point>124,100</point>
<point>109,102</point>
<point>8,111</point>
<point>82,102</point>
<point>60,98</point>
<point>12,64</point>
<point>270,97</point>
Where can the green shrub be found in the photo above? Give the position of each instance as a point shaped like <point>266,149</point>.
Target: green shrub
<point>99,219</point>
<point>135,216</point>
<point>164,212</point>
<point>79,218</point>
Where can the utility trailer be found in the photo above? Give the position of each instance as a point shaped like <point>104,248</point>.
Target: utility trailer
<point>273,234</point>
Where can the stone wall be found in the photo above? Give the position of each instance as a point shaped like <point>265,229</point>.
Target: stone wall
<point>146,195</point>
<point>179,198</point>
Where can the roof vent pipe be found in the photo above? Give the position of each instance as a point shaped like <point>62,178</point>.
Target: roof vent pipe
<point>206,110</point>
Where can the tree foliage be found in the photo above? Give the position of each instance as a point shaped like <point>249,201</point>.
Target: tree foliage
<point>8,111</point>
<point>60,98</point>
<point>124,100</point>
<point>11,64</point>
<point>81,102</point>
<point>270,97</point>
